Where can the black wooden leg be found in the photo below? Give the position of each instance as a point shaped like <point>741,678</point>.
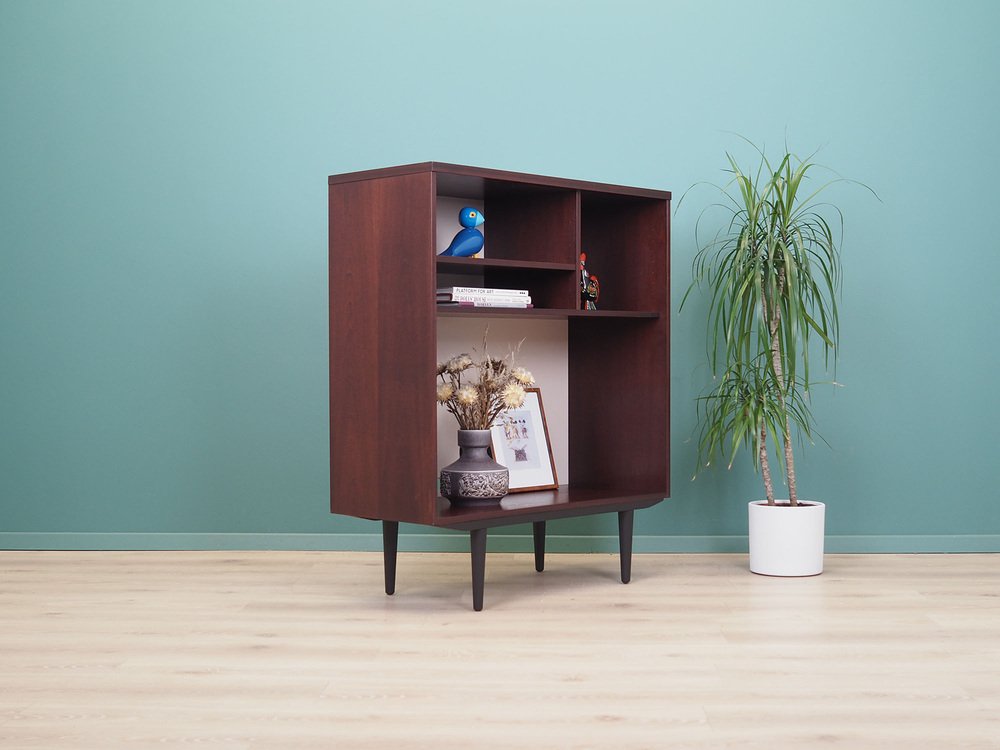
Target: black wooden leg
<point>539,533</point>
<point>625,543</point>
<point>390,540</point>
<point>477,541</point>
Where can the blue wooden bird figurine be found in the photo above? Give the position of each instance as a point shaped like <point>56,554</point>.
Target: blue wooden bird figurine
<point>469,240</point>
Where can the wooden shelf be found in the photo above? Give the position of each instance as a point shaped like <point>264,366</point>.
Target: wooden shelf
<point>476,265</point>
<point>540,312</point>
<point>546,505</point>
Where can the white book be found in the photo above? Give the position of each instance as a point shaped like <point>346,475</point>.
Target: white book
<point>475,297</point>
<point>487,303</point>
<point>482,290</point>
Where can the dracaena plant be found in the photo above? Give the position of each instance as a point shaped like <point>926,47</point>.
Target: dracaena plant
<point>773,275</point>
<point>745,408</point>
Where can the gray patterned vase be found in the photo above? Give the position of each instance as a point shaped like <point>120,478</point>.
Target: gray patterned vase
<point>475,478</point>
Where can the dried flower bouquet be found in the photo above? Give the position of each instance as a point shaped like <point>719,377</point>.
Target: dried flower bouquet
<point>478,401</point>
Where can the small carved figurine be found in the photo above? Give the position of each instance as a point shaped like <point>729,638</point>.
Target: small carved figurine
<point>469,240</point>
<point>590,287</point>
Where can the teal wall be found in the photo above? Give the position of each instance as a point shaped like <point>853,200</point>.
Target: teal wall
<point>163,282</point>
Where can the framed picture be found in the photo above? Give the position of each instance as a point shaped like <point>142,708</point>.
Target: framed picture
<point>521,443</point>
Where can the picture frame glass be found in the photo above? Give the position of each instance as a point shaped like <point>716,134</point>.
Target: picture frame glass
<point>520,440</point>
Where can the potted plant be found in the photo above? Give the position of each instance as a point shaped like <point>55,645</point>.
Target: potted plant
<point>773,276</point>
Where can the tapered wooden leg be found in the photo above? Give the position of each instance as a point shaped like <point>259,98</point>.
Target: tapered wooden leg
<point>477,542</point>
<point>390,541</point>
<point>539,533</point>
<point>625,543</point>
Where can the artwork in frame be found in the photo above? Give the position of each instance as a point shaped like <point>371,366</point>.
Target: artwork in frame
<point>521,443</point>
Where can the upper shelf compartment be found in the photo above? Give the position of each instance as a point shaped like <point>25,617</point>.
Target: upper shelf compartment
<point>524,223</point>
<point>535,231</point>
<point>625,239</point>
<point>528,217</point>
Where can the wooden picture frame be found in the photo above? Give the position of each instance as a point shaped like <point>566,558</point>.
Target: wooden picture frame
<point>520,440</point>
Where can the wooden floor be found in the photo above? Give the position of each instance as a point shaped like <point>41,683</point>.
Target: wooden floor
<point>292,650</point>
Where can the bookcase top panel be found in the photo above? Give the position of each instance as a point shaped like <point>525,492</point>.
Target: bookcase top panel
<point>473,182</point>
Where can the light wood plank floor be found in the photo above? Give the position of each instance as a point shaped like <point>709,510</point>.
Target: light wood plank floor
<point>289,650</point>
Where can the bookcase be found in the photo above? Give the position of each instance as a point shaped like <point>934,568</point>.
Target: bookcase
<point>383,334</point>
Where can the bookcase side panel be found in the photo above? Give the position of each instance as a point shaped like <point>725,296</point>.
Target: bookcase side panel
<point>382,322</point>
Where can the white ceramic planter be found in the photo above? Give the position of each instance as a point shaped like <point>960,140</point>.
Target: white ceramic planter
<point>786,540</point>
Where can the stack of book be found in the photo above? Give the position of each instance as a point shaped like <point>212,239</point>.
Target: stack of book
<point>475,296</point>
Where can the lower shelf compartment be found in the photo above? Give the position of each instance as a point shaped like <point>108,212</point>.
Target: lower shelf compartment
<point>544,505</point>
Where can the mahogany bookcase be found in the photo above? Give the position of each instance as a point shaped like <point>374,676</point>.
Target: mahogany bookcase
<point>383,343</point>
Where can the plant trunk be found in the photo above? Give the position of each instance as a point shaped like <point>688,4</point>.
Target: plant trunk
<point>789,457</point>
<point>773,323</point>
<point>790,466</point>
<point>765,467</point>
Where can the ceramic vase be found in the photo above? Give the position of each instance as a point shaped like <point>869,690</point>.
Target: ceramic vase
<point>475,478</point>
